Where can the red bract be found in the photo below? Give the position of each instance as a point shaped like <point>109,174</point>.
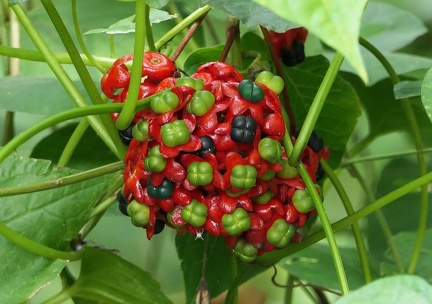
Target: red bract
<point>217,142</point>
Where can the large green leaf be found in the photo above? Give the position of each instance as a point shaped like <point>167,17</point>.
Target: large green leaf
<point>35,99</point>
<point>339,115</point>
<point>426,93</point>
<point>51,217</point>
<point>252,14</point>
<point>400,289</point>
<point>405,242</point>
<point>398,29</point>
<point>218,265</point>
<point>107,278</point>
<point>91,152</point>
<point>191,253</point>
<point>336,22</point>
<point>315,265</point>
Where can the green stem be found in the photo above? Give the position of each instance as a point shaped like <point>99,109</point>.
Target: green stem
<point>358,236</point>
<point>60,298</point>
<point>412,122</point>
<point>102,207</point>
<point>337,260</point>
<point>370,158</point>
<point>149,32</point>
<point>276,255</point>
<point>172,7</point>
<point>62,181</point>
<point>84,75</point>
<point>315,109</point>
<point>64,116</point>
<point>62,76</point>
<point>126,115</point>
<point>62,58</point>
<point>35,247</point>
<point>73,143</point>
<point>288,297</point>
<point>382,221</point>
<point>181,26</point>
<point>8,127</point>
<point>81,40</point>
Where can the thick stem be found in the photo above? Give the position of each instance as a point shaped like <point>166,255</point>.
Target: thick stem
<point>315,109</point>
<point>126,115</point>
<point>358,236</point>
<point>62,181</point>
<point>233,32</point>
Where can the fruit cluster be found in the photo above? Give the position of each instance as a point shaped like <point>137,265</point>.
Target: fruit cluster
<point>206,156</point>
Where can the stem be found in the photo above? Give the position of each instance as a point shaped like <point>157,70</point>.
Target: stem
<point>412,122</point>
<point>187,37</point>
<point>232,31</point>
<point>382,221</point>
<point>62,181</point>
<point>60,298</point>
<point>84,75</point>
<point>62,76</point>
<point>8,127</point>
<point>361,248</point>
<point>35,247</point>
<point>277,63</point>
<point>337,260</point>
<point>126,115</point>
<point>275,256</point>
<point>370,158</point>
<point>181,26</point>
<point>81,40</point>
<point>64,116</point>
<point>172,7</point>
<point>149,32</point>
<point>73,142</point>
<point>62,58</point>
<point>288,297</point>
<point>315,109</point>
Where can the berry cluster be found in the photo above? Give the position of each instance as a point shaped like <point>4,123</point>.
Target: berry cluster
<point>206,156</point>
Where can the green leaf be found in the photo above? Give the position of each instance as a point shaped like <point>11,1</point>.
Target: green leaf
<point>398,29</point>
<point>339,115</point>
<point>218,266</point>
<point>108,278</point>
<point>405,243</point>
<point>400,289</point>
<point>384,113</point>
<point>315,265</point>
<point>407,89</point>
<point>127,25</point>
<point>34,99</point>
<point>337,23</point>
<point>51,217</point>
<point>201,56</point>
<point>191,253</point>
<point>426,93</point>
<point>91,151</point>
<point>252,14</point>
